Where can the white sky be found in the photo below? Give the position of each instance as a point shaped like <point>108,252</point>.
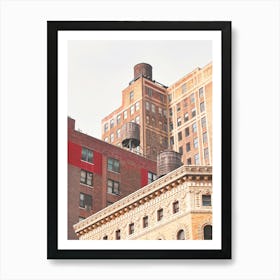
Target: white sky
<point>100,70</point>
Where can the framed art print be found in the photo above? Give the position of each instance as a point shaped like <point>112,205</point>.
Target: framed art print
<point>139,140</point>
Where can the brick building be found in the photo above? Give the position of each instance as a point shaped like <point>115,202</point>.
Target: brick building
<point>175,206</point>
<point>99,174</point>
<point>177,117</point>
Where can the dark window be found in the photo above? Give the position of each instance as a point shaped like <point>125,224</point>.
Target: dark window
<point>106,127</point>
<point>206,200</point>
<point>179,122</point>
<point>151,177</point>
<point>189,161</point>
<point>203,122</point>
<point>113,187</point>
<point>111,123</point>
<point>109,203</point>
<point>181,150</point>
<point>202,107</point>
<point>87,155</point>
<point>85,201</point>
<point>180,136</point>
<point>170,112</point>
<point>170,97</point>
<point>175,207</point>
<point>118,234</point>
<point>149,92</point>
<point>181,235</point>
<point>205,137</point>
<point>187,131</point>
<point>86,177</point>
<point>160,214</point>
<point>201,92</point>
<point>105,237</point>
<point>171,126</point>
<point>178,106</point>
<point>113,165</point>
<point>145,222</point>
<point>118,119</point>
<point>188,146</point>
<point>193,113</point>
<point>171,140</point>
<point>131,228</point>
<point>207,232</point>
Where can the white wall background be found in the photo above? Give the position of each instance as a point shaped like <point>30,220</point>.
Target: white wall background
<point>255,140</point>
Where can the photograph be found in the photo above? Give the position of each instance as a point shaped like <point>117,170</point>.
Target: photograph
<point>141,114</point>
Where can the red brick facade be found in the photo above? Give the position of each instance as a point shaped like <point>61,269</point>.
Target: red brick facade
<point>132,174</point>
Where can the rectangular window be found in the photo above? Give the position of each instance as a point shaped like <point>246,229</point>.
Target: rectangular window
<point>202,107</point>
<point>206,200</point>
<point>201,92</point>
<point>205,140</point>
<point>119,133</point>
<point>203,122</point>
<point>164,113</point>
<point>86,177</point>
<point>192,98</point>
<point>188,146</point>
<point>137,106</point>
<point>185,103</point>
<point>170,112</point>
<point>178,107</point>
<point>113,165</point>
<point>193,113</point>
<point>112,137</point>
<point>170,97</point>
<point>109,203</point>
<point>206,153</point>
<point>105,237</point>
<point>181,150</point>
<point>147,119</point>
<point>186,117</point>
<point>187,131</point>
<point>171,126</point>
<point>171,140</point>
<point>111,123</point>
<point>118,234</point>
<point>160,125</point>
<point>175,207</point>
<point>160,214</point>
<point>184,88</point>
<point>153,108</point>
<point>87,155</point>
<point>118,119</point>
<point>86,201</point>
<point>151,177</point>
<point>189,161</point>
<point>131,96</point>
<point>149,92</point>
<point>179,122</point>
<point>147,106</point>
<point>125,115</point>
<point>106,127</point>
<point>196,159</point>
<point>113,187</point>
<point>106,139</point>
<point>160,110</point>
<point>137,119</point>
<point>81,218</point>
<point>194,127</point>
<point>132,110</point>
<point>180,136</point>
<point>195,143</point>
<point>164,127</point>
<point>131,228</point>
<point>145,222</point>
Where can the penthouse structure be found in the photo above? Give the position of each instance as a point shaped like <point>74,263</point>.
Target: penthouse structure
<point>177,117</point>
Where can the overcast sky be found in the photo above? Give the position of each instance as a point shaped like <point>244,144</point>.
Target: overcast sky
<point>100,70</point>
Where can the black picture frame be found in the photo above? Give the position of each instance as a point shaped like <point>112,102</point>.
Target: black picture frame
<point>53,27</point>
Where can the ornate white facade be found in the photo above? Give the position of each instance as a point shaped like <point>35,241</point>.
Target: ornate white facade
<point>177,203</point>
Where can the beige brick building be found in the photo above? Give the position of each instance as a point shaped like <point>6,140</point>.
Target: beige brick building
<point>176,206</point>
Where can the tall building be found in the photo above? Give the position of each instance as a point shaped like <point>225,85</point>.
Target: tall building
<point>178,117</point>
<point>99,174</point>
<point>175,206</point>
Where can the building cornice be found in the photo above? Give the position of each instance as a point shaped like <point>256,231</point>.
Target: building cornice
<point>143,195</point>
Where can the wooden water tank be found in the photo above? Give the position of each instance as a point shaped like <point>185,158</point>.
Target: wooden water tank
<point>130,134</point>
<point>168,161</point>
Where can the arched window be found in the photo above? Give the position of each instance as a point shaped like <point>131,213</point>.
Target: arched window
<point>181,235</point>
<point>207,232</point>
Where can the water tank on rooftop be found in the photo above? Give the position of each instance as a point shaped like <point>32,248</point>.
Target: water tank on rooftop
<point>130,134</point>
<point>143,69</point>
<point>168,161</point>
